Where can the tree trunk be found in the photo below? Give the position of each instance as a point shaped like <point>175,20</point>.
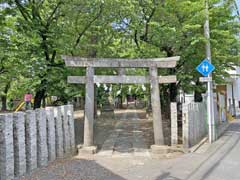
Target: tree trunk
<point>173,92</point>
<point>4,97</point>
<point>173,88</point>
<point>4,102</point>
<point>198,94</point>
<point>44,101</point>
<point>121,102</point>
<point>40,94</point>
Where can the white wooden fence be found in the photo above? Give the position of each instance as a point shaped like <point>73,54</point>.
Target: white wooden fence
<point>194,123</point>
<point>30,140</point>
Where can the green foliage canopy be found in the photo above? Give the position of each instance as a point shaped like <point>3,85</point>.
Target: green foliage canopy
<point>34,35</point>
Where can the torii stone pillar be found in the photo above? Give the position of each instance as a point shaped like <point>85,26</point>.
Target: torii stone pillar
<point>153,64</point>
<point>89,108</point>
<point>156,107</point>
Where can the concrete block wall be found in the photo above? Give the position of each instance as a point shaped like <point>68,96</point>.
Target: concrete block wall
<point>194,123</point>
<point>31,139</point>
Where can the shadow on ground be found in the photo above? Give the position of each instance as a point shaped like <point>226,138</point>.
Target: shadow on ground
<point>166,176</point>
<point>74,169</point>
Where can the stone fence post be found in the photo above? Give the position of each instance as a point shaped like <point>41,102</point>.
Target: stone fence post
<point>19,144</point>
<point>6,147</point>
<point>42,149</point>
<point>174,124</point>
<point>31,140</point>
<point>70,114</point>
<point>66,130</point>
<point>51,134</point>
<point>58,132</point>
<point>185,124</point>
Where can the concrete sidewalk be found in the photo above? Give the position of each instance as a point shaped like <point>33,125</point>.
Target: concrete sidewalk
<point>219,161</point>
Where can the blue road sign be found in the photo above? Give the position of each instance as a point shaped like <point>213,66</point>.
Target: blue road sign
<point>205,67</point>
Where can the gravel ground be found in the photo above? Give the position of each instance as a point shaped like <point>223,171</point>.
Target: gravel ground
<point>72,169</point>
<point>102,168</point>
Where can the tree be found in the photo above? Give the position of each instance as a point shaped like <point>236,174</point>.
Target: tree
<point>11,66</point>
<point>44,30</point>
<point>173,28</point>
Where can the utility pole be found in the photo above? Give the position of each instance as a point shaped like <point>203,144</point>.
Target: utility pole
<point>210,107</point>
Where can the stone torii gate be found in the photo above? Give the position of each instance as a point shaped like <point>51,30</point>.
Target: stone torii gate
<point>153,78</point>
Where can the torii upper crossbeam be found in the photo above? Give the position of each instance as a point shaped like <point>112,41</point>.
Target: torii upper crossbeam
<point>153,64</point>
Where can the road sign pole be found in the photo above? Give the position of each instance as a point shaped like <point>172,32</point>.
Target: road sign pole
<point>210,109</point>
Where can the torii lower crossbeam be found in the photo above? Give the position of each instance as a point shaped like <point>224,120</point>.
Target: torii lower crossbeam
<point>90,79</point>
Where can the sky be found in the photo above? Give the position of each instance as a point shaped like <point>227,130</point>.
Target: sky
<point>238,3</point>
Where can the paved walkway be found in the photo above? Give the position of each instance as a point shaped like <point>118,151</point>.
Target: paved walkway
<point>129,132</point>
<point>219,161</point>
<point>127,137</point>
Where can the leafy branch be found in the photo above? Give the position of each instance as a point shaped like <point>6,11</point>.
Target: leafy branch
<point>88,26</point>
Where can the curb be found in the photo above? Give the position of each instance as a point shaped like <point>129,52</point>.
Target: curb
<point>197,146</point>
